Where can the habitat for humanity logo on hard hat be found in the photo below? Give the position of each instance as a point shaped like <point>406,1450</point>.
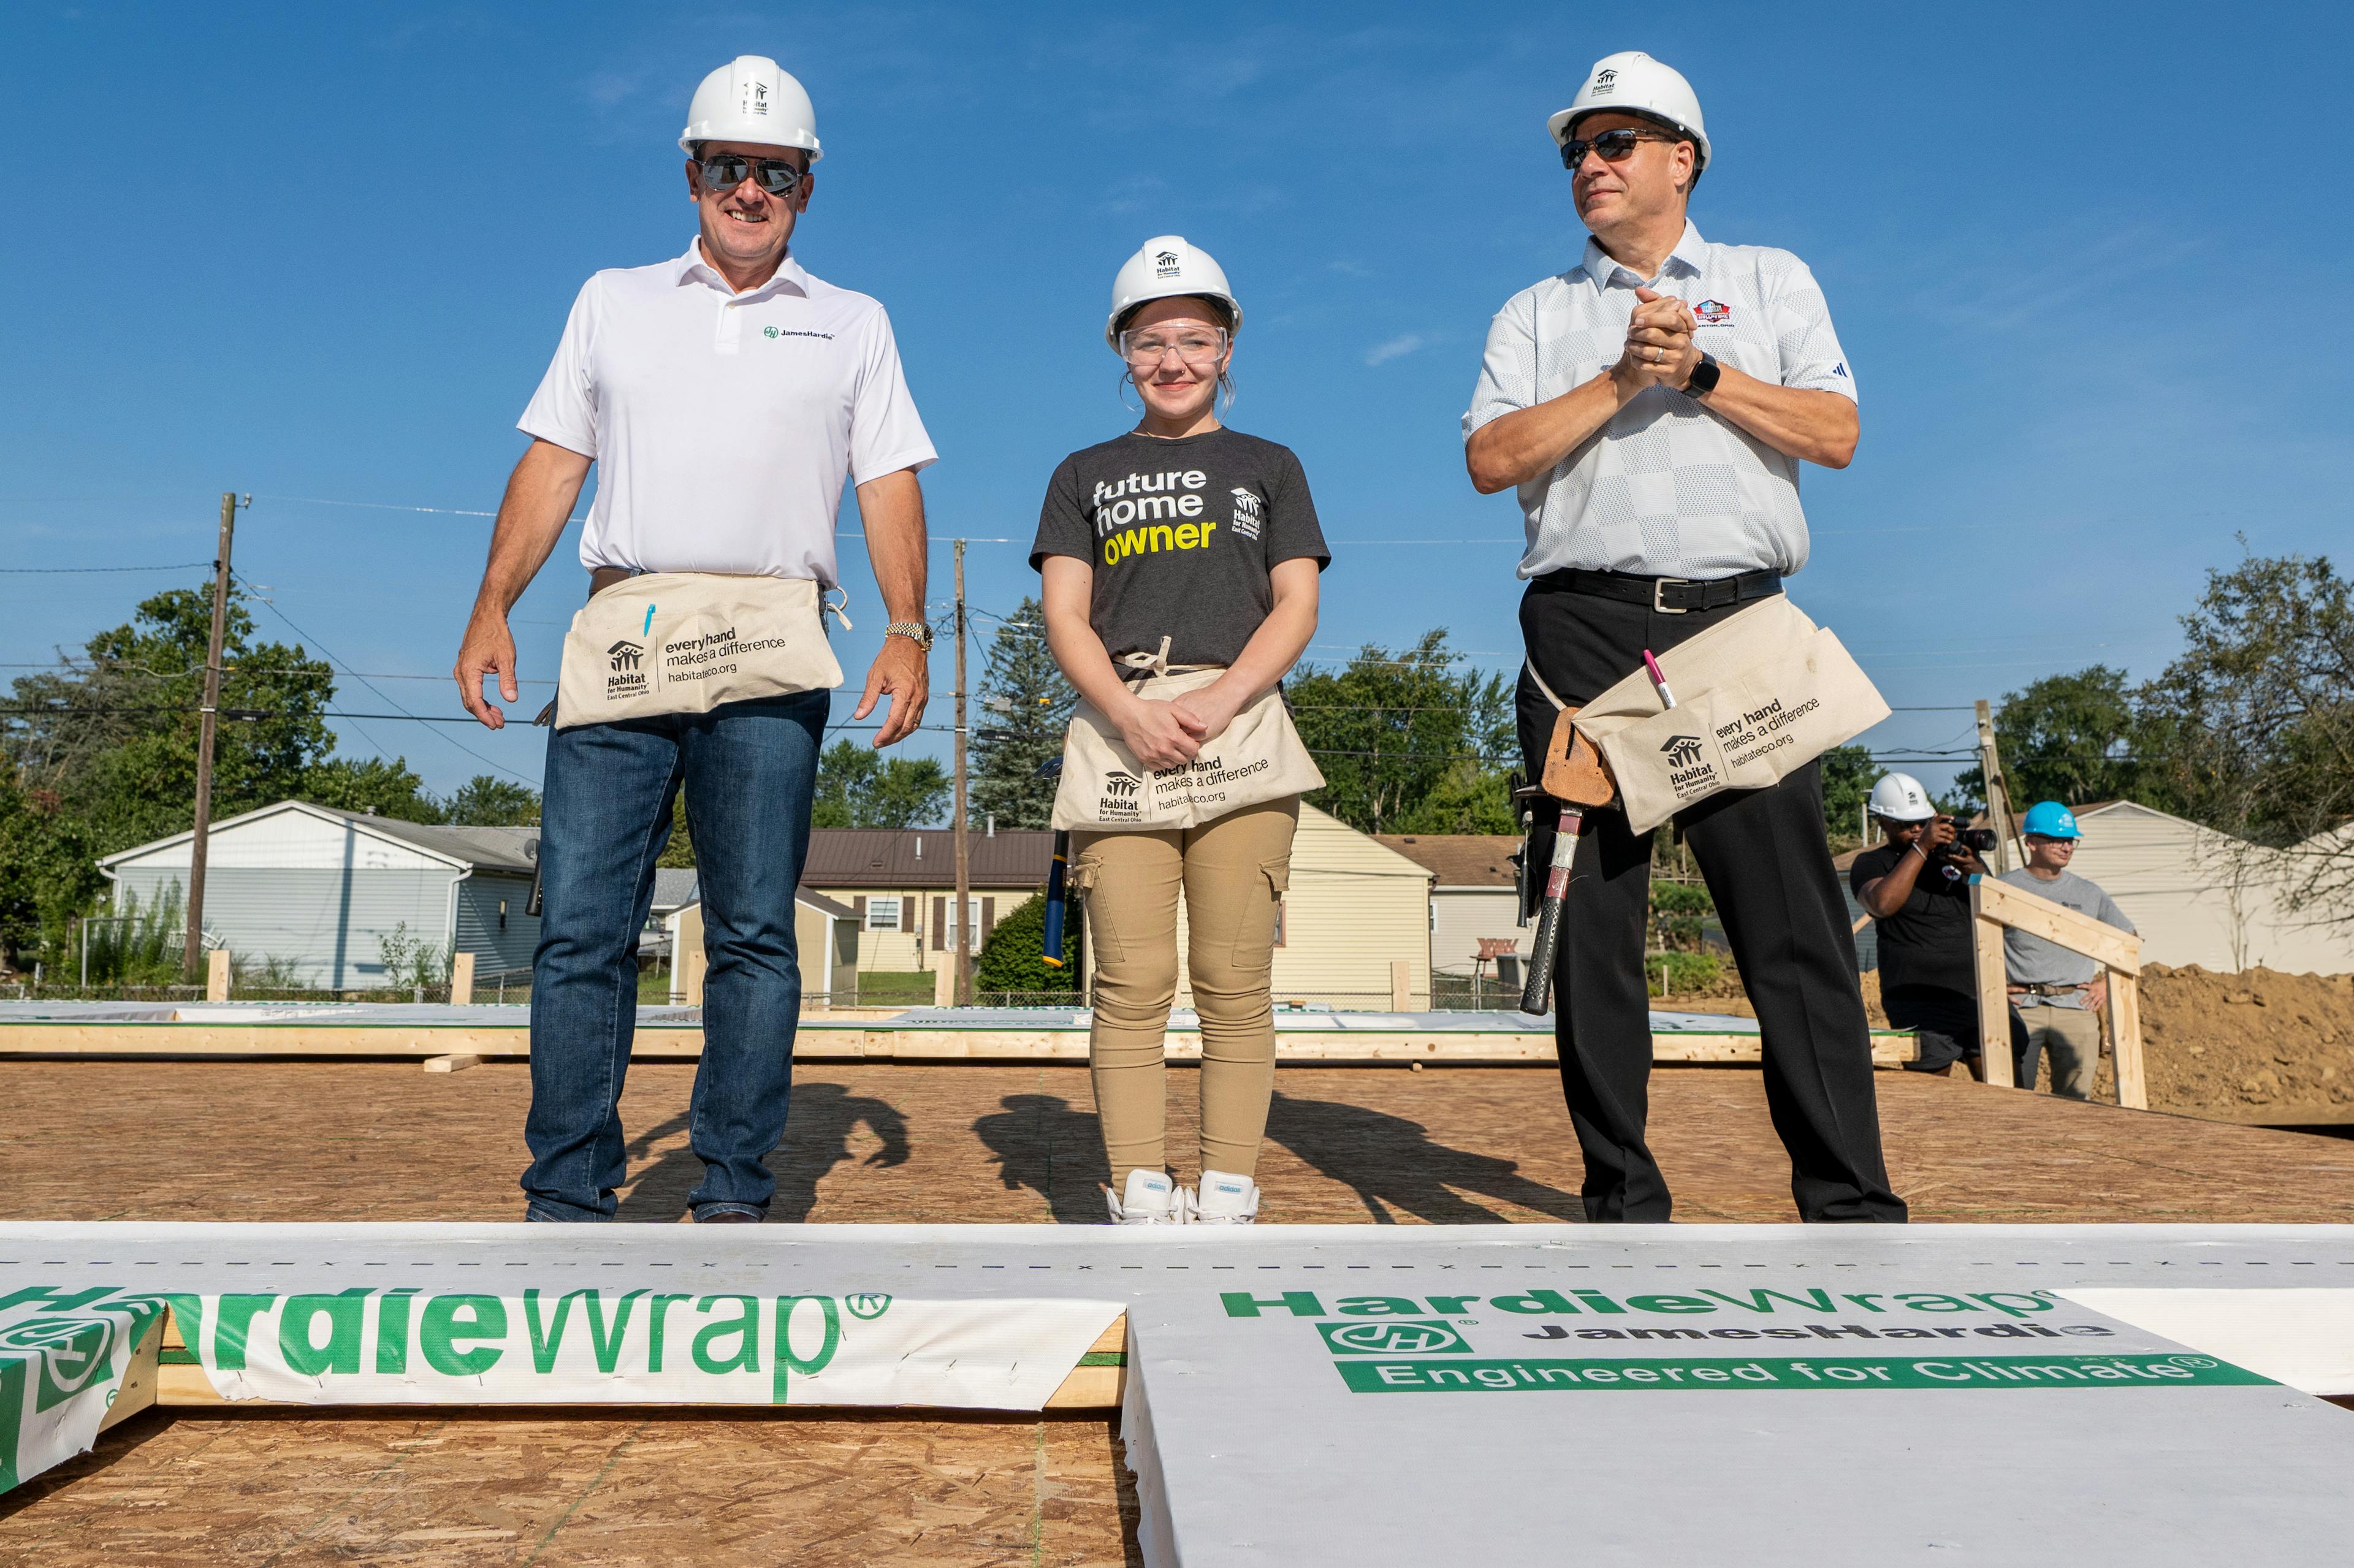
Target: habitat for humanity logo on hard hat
<point>1165,264</point>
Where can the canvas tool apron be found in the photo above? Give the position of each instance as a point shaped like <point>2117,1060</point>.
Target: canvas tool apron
<point>684,642</point>
<point>1761,694</point>
<point>1256,758</point>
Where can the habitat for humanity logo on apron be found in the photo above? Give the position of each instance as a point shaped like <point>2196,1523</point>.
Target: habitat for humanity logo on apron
<point>669,642</point>
<point>1256,758</point>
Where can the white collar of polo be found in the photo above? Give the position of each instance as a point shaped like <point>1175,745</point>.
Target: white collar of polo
<point>1602,271</point>
<point>692,268</point>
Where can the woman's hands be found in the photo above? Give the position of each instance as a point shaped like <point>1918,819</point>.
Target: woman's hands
<point>1162,735</point>
<point>1213,707</point>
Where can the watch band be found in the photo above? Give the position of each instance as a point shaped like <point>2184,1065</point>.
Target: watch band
<point>1705,376</point>
<point>914,631</point>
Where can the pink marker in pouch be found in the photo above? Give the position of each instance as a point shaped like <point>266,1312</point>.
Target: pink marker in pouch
<point>1667,697</point>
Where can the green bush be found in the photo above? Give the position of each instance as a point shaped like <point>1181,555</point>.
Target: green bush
<point>1682,974</point>
<point>1677,910</point>
<point>1013,959</point>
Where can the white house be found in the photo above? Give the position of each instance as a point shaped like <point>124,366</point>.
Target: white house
<point>320,890</point>
<point>1474,904</point>
<point>2199,897</point>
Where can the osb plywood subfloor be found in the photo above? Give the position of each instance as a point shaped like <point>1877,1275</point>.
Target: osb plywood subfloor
<point>325,1141</point>
<point>366,1140</point>
<point>489,1490</point>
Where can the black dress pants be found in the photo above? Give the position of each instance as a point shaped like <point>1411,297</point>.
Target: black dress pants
<point>1768,867</point>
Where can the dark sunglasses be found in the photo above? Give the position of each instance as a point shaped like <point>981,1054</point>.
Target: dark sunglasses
<point>723,171</point>
<point>1616,146</point>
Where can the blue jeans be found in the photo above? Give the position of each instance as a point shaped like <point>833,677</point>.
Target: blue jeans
<point>749,770</point>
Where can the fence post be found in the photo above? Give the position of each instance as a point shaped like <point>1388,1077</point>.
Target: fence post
<point>217,975</point>
<point>693,973</point>
<point>1401,985</point>
<point>461,980</point>
<point>944,986</point>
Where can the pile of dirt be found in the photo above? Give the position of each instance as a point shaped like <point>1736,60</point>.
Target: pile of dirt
<point>2256,1046</point>
<point>2251,1046</point>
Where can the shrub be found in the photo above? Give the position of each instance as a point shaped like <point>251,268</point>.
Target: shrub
<point>1681,974</point>
<point>1013,959</point>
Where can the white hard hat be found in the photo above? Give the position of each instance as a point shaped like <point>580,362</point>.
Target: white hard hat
<point>1899,798</point>
<point>1165,269</point>
<point>751,98</point>
<point>1632,82</point>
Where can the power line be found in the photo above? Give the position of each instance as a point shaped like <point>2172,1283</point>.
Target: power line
<point>403,712</point>
<point>68,571</point>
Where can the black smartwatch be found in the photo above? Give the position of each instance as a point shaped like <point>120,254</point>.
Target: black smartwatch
<point>1703,376</point>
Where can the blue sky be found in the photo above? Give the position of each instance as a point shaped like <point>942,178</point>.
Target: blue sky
<point>2090,267</point>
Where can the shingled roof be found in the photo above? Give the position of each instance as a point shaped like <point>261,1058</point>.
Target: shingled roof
<point>894,858</point>
<point>1459,860</point>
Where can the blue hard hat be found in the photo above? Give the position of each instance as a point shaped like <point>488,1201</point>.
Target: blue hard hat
<point>2051,819</point>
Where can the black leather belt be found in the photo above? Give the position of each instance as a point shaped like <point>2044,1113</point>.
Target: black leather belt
<point>1669,596</point>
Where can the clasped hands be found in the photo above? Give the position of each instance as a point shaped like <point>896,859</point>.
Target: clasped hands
<point>1170,734</point>
<point>1660,350</point>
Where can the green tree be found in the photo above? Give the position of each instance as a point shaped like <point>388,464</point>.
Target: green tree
<point>1025,707</point>
<point>2251,730</point>
<point>487,801</point>
<point>102,750</point>
<point>858,787</point>
<point>1848,773</point>
<point>1014,957</point>
<point>2074,738</point>
<point>1408,742</point>
<point>49,872</point>
<point>113,732</point>
<point>680,851</point>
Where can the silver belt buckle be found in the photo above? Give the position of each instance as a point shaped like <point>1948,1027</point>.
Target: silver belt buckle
<point>1659,591</point>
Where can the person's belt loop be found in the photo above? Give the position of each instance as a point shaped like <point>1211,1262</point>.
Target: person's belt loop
<point>1659,604</point>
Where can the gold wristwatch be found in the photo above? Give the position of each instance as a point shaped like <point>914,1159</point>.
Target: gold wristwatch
<point>916,631</point>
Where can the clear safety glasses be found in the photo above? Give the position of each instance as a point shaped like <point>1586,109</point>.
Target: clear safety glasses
<point>723,171</point>
<point>1201,346</point>
<point>1616,146</point>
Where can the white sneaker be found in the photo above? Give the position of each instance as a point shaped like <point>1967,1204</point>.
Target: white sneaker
<point>1223,1200</point>
<point>1149,1200</point>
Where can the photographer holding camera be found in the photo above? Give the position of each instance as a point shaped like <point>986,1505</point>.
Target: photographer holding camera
<point>1917,885</point>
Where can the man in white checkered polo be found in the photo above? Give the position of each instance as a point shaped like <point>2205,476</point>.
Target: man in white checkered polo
<point>1651,405</point>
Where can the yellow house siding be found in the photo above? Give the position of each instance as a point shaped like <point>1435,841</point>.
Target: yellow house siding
<point>1353,907</point>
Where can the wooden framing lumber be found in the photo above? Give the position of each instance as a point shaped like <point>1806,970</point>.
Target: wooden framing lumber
<point>461,980</point>
<point>2023,910</point>
<point>1995,906</point>
<point>852,1039</point>
<point>453,1063</point>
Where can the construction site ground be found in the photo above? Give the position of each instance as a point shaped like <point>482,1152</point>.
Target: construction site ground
<point>294,1140</point>
<point>2258,1046</point>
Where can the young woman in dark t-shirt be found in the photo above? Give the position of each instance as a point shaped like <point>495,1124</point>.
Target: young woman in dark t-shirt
<point>1187,540</point>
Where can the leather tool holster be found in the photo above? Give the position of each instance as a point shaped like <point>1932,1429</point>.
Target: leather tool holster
<point>1574,770</point>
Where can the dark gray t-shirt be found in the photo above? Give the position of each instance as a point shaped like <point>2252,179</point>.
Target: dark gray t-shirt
<point>1182,534</point>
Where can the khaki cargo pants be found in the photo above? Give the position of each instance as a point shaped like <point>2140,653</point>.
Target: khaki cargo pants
<point>2071,1037</point>
<point>1232,873</point>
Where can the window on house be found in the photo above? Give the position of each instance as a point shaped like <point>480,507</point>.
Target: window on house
<point>949,930</point>
<point>883,914</point>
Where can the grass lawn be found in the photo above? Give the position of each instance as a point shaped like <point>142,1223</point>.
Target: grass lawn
<point>896,987</point>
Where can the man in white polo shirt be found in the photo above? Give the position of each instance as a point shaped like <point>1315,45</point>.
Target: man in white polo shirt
<point>1651,404</point>
<point>726,395</point>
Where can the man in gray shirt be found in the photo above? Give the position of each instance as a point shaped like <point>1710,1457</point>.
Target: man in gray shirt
<point>2058,994</point>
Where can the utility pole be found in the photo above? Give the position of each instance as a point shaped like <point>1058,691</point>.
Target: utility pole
<point>192,954</point>
<point>2000,810</point>
<point>963,992</point>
